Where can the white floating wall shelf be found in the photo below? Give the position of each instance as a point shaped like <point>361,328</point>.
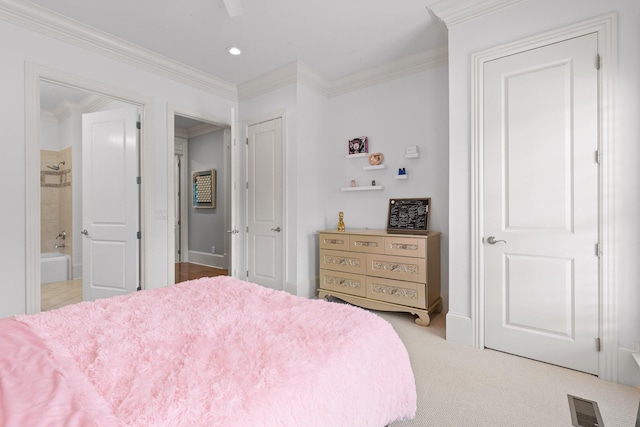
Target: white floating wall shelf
<point>362,188</point>
<point>368,168</point>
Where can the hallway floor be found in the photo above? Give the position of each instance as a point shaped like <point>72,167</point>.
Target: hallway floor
<point>188,271</point>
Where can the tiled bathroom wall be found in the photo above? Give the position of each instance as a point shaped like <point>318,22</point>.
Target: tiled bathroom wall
<point>55,201</point>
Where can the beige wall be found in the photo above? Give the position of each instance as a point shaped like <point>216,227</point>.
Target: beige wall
<point>55,201</point>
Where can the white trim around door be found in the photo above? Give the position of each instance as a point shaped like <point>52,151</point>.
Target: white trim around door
<point>172,111</point>
<point>34,74</point>
<point>606,29</point>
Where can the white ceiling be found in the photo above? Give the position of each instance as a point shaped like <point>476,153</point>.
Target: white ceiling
<point>334,37</point>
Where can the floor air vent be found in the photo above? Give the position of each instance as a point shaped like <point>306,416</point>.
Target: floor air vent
<point>584,413</point>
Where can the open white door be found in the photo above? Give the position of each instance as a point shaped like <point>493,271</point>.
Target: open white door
<point>110,205</point>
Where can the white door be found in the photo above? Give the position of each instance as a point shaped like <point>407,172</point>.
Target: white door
<point>110,203</point>
<point>540,190</point>
<point>265,226</point>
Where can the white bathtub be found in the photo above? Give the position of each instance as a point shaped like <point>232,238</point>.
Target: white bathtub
<point>54,267</point>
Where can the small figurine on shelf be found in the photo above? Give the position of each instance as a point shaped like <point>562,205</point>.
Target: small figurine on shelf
<point>341,221</point>
<point>373,182</point>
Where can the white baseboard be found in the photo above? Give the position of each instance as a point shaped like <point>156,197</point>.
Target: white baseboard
<point>445,302</point>
<point>208,259</point>
<point>76,271</point>
<point>459,329</point>
<point>628,369</point>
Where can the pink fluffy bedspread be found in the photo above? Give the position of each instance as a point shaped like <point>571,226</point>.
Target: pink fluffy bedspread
<point>208,352</point>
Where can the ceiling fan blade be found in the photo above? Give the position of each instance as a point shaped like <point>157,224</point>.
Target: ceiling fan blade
<point>234,7</point>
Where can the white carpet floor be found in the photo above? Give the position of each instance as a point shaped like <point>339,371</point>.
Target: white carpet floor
<point>462,386</point>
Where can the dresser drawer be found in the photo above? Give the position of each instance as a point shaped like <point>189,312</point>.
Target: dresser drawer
<point>347,283</point>
<point>348,262</point>
<point>397,267</point>
<point>405,246</point>
<point>338,241</point>
<point>368,244</point>
<point>397,292</point>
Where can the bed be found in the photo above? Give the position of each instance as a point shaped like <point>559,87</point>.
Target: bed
<point>207,352</point>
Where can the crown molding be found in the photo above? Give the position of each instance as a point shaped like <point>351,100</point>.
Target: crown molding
<point>202,129</point>
<point>401,67</point>
<point>298,72</point>
<point>63,111</point>
<point>181,133</point>
<point>54,25</point>
<point>197,130</point>
<point>454,12</point>
<point>48,116</point>
<point>292,73</point>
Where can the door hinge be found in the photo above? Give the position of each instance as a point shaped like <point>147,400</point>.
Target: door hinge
<point>247,273</point>
<point>138,235</point>
<point>598,347</point>
<point>598,250</point>
<point>138,179</point>
<point>598,62</point>
<point>247,142</point>
<point>246,185</point>
<point>247,228</point>
<point>137,125</point>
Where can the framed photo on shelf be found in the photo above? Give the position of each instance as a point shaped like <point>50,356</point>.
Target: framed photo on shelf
<point>359,145</point>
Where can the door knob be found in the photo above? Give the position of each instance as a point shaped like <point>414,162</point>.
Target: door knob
<point>85,232</point>
<point>492,240</point>
<point>276,229</point>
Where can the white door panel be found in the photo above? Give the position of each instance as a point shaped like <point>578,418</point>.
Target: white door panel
<point>110,203</point>
<point>540,177</point>
<point>265,234</point>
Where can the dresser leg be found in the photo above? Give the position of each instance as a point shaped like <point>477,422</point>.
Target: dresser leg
<point>423,319</point>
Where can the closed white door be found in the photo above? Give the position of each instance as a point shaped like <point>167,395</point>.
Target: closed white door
<point>540,120</point>
<point>265,226</point>
<point>110,203</point>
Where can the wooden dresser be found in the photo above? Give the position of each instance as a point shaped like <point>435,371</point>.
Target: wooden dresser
<point>381,271</point>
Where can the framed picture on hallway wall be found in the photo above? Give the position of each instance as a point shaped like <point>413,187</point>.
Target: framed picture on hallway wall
<point>204,188</point>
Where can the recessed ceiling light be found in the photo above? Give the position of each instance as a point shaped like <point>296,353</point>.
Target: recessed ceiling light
<point>234,51</point>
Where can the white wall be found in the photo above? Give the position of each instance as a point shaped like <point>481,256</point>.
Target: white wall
<point>312,170</point>
<point>30,47</point>
<point>525,19</point>
<point>412,110</point>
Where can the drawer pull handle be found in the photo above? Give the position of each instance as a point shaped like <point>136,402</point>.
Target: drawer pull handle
<point>334,241</point>
<point>367,244</point>
<point>338,281</point>
<point>353,262</point>
<point>396,292</point>
<point>403,246</point>
<point>400,268</point>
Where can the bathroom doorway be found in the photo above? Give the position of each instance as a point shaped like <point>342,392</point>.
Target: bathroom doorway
<point>60,143</point>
